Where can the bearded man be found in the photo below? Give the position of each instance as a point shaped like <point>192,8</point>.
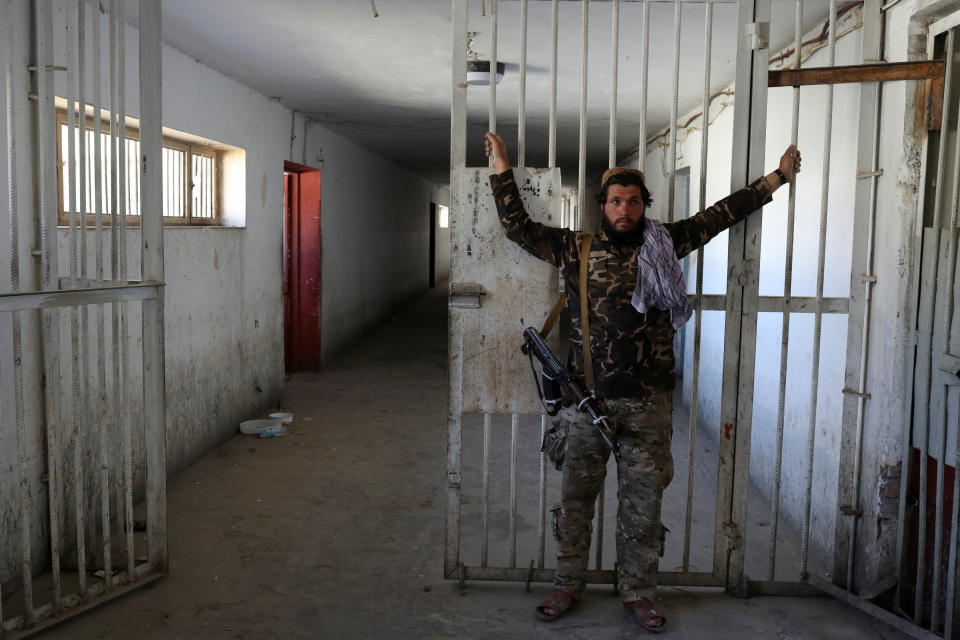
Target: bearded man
<point>636,301</point>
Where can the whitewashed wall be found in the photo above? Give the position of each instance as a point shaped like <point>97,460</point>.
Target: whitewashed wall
<point>223,313</point>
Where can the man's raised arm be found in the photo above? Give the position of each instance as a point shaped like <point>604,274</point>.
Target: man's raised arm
<point>546,243</point>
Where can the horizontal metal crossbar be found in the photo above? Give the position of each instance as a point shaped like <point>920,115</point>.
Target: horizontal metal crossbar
<point>594,576</point>
<point>73,605</point>
<point>27,300</point>
<point>775,304</point>
<point>880,72</point>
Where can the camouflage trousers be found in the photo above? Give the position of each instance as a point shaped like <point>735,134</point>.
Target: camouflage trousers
<point>644,430</point>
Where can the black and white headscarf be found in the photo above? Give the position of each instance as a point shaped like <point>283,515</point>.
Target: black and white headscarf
<point>660,282</point>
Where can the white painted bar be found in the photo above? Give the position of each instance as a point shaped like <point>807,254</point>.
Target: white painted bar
<point>514,433</point>
<point>698,296</point>
<point>787,294</point>
<point>151,203</point>
<point>644,84</point>
<point>552,116</point>
<point>614,73</point>
<point>582,158</point>
<point>522,109</point>
<point>674,108</point>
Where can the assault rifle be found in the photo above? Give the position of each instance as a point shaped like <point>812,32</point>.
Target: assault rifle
<point>556,381</point>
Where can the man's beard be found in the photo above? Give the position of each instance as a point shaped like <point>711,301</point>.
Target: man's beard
<point>633,236</point>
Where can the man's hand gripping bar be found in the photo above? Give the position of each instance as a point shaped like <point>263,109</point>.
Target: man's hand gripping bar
<point>557,381</point>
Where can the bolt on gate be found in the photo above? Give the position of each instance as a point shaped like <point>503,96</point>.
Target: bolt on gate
<point>773,381</point>
<point>81,383</point>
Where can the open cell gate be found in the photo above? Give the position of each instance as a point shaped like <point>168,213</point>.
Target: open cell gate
<point>783,357</point>
<point>82,445</point>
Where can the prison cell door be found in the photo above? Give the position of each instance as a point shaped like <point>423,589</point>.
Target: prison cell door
<point>499,487</point>
<point>82,416</point>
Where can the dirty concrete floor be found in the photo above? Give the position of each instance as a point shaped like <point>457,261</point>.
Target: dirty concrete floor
<point>336,531</point>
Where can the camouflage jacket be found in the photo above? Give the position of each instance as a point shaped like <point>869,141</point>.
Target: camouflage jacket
<point>632,353</point>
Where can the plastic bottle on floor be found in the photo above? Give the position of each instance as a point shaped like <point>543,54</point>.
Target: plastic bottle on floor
<point>273,432</point>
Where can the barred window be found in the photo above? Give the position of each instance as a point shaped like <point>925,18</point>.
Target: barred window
<point>190,177</point>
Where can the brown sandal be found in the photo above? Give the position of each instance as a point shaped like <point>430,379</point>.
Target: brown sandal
<point>559,601</point>
<point>648,617</point>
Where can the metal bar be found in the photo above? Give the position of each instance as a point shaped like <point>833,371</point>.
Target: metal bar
<point>458,160</point>
<point>114,182</point>
<point>50,321</point>
<point>552,117</point>
<point>818,314</point>
<point>494,23</point>
<point>644,85</point>
<point>698,296</point>
<point>787,294</point>
<point>601,509</point>
<point>75,157</point>
<point>777,304</point>
<point>882,72</point>
<point>152,267</point>
<point>614,72</point>
<point>736,409</point>
<point>76,297</point>
<point>99,205</point>
<point>879,613</point>
<point>82,130</point>
<point>522,108</point>
<point>514,431</point>
<point>542,493</point>
<point>485,493</point>
<point>582,158</point>
<point>855,375</point>
<point>593,576</point>
<point>13,227</point>
<point>126,374</point>
<point>674,107</point>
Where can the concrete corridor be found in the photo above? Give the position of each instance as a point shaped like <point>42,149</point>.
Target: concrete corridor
<point>336,531</point>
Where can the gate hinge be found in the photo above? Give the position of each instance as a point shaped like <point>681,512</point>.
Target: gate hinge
<point>847,510</point>
<point>869,174</point>
<point>847,391</point>
<point>866,277</point>
<point>731,532</point>
<point>758,33</point>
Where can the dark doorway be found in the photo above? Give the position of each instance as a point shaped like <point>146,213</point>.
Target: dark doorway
<point>433,244</point>
<point>301,267</point>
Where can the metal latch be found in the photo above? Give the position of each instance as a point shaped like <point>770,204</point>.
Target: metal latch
<point>465,295</point>
<point>758,34</point>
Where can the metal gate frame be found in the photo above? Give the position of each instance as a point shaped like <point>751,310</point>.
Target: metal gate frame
<point>74,294</point>
<point>741,304</point>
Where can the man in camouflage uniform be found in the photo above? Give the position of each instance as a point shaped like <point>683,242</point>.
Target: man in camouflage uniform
<point>633,366</point>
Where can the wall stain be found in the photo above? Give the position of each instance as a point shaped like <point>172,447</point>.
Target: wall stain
<point>263,190</point>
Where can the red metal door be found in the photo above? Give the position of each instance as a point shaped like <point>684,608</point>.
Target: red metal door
<point>302,256</point>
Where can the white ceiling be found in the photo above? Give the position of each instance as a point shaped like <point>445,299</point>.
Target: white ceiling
<point>385,82</point>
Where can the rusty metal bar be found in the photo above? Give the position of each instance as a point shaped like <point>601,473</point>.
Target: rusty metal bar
<point>877,72</point>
